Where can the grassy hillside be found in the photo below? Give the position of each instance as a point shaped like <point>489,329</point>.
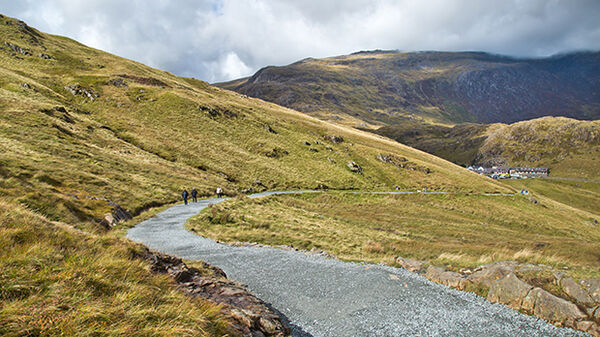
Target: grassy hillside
<point>79,126</point>
<point>570,148</point>
<point>57,281</point>
<point>82,130</point>
<point>389,88</point>
<point>455,230</point>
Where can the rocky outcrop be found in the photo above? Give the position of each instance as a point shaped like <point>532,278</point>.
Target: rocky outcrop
<point>117,214</point>
<point>78,90</point>
<point>334,139</point>
<point>487,274</point>
<point>250,316</point>
<point>449,278</point>
<point>354,167</point>
<point>414,266</point>
<point>509,290</point>
<point>574,304</point>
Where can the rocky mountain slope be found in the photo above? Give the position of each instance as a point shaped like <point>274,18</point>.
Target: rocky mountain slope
<point>571,148</point>
<point>385,87</point>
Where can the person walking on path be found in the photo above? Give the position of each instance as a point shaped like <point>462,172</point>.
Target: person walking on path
<point>219,192</point>
<point>194,195</point>
<point>185,195</point>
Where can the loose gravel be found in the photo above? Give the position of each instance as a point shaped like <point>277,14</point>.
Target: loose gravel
<point>327,297</point>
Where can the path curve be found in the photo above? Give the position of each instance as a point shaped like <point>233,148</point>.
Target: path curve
<point>327,297</point>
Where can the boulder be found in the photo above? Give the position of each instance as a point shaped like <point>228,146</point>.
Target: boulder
<point>354,167</point>
<point>509,290</point>
<point>489,273</point>
<point>551,308</point>
<point>589,327</point>
<point>334,139</point>
<point>413,266</point>
<point>576,292</point>
<point>448,278</point>
<point>593,289</point>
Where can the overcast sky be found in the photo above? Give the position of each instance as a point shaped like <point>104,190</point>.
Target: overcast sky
<point>218,40</point>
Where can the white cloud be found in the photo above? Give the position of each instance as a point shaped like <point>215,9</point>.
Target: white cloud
<point>218,40</point>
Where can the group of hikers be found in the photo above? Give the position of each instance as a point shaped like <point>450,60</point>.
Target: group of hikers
<point>194,194</point>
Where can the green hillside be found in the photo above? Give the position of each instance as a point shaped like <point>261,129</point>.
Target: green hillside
<point>389,88</point>
<point>82,130</point>
<point>570,148</point>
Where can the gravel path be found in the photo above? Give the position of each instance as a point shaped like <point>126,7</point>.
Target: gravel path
<point>326,297</point>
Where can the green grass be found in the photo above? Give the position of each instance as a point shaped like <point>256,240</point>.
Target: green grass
<point>456,230</point>
<point>57,281</point>
<point>141,145</point>
<point>584,195</point>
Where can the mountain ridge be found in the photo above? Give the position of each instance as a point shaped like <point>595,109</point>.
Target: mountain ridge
<point>446,87</point>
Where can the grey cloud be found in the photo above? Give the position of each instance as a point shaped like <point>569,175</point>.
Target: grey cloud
<point>217,40</point>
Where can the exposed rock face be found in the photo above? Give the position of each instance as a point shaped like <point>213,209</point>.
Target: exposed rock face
<point>486,275</point>
<point>593,289</point>
<point>504,286</point>
<point>576,292</point>
<point>449,278</point>
<point>251,316</point>
<point>414,266</point>
<point>551,308</point>
<point>81,91</point>
<point>509,290</point>
<point>334,139</point>
<point>354,167</point>
<point>18,49</point>
<point>480,88</point>
<point>118,82</point>
<point>117,215</point>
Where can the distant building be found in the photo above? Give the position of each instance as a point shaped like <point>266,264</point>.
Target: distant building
<point>511,172</point>
<point>530,171</point>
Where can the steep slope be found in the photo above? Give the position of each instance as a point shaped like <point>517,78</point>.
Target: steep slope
<point>79,126</point>
<point>570,148</point>
<point>390,87</point>
<point>84,133</point>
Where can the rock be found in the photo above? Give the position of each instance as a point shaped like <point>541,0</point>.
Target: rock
<point>593,289</point>
<point>108,221</point>
<point>181,275</point>
<point>589,327</point>
<point>306,143</point>
<point>26,86</point>
<point>449,278</point>
<point>509,290</point>
<point>118,82</point>
<point>354,167</point>
<point>81,91</point>
<point>270,129</point>
<point>45,56</point>
<point>551,308</point>
<point>331,160</point>
<point>576,292</point>
<point>334,139</point>
<point>413,266</point>
<point>18,49</point>
<point>487,274</point>
<point>313,150</point>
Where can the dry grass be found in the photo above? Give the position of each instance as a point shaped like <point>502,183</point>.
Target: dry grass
<point>140,145</point>
<point>455,230</point>
<point>56,281</point>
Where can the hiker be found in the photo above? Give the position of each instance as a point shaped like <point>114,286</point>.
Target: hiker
<point>194,195</point>
<point>219,192</point>
<point>185,195</point>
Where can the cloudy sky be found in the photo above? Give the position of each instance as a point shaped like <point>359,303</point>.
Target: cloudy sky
<point>218,40</point>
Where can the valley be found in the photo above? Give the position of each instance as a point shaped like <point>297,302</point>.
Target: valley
<point>95,148</point>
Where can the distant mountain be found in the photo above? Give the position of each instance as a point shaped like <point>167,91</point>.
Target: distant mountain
<point>385,87</point>
<point>571,148</point>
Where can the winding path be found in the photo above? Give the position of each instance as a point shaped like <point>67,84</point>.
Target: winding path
<point>327,297</point>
